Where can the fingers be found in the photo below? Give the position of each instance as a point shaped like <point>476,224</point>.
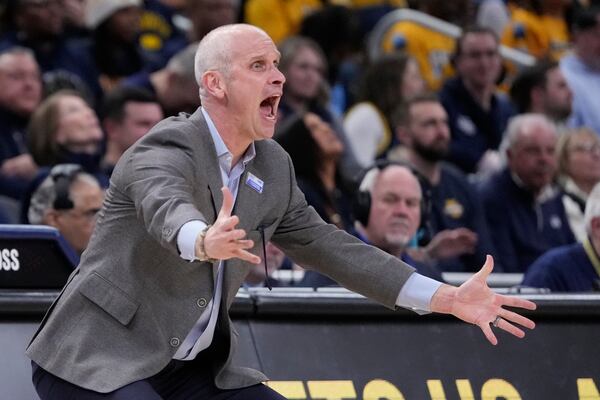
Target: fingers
<point>510,328</point>
<point>247,256</point>
<point>516,318</point>
<point>489,335</point>
<point>228,223</point>
<point>486,270</point>
<point>518,302</point>
<point>227,205</point>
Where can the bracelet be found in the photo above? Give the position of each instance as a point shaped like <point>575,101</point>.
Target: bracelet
<point>202,256</point>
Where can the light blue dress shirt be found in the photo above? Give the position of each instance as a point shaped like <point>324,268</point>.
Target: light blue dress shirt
<point>584,82</point>
<point>416,293</point>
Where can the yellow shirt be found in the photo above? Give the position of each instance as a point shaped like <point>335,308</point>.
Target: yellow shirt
<point>279,18</point>
<point>431,50</point>
<point>558,34</point>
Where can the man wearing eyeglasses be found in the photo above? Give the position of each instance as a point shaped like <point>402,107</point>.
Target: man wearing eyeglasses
<point>68,199</point>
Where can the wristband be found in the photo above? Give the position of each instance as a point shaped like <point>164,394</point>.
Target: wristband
<point>202,256</point>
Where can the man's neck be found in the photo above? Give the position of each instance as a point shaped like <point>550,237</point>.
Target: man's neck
<point>113,153</point>
<point>481,94</point>
<point>431,170</point>
<point>235,142</point>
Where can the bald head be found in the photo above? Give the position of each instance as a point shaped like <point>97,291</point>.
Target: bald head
<point>215,51</point>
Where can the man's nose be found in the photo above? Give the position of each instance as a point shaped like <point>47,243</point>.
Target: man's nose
<point>278,78</point>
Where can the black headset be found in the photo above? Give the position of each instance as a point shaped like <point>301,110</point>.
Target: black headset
<point>361,204</point>
<point>63,175</point>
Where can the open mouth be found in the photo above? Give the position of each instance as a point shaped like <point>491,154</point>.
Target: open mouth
<point>268,106</point>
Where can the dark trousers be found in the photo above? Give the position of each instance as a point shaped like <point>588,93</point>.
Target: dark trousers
<point>179,380</point>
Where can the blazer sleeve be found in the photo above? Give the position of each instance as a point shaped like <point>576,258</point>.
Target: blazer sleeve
<point>312,243</point>
<point>159,177</point>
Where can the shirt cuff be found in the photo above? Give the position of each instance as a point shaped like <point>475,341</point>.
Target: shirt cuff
<point>417,292</point>
<point>186,239</point>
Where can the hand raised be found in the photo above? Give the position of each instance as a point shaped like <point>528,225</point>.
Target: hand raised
<point>223,241</point>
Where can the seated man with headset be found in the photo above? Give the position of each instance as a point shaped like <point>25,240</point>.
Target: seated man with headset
<point>391,213</point>
<point>68,199</point>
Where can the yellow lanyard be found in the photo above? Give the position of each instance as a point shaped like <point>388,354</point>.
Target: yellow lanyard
<point>591,253</point>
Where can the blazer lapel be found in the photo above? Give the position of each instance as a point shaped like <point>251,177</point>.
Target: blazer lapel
<point>209,162</point>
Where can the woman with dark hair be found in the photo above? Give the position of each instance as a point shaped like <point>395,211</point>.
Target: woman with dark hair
<point>315,151</point>
<point>385,84</point>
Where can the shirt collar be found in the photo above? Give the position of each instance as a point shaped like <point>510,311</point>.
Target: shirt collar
<point>545,194</point>
<point>223,153</point>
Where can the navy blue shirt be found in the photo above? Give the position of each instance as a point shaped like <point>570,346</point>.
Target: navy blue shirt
<point>454,204</point>
<point>521,228</point>
<point>565,269</point>
<point>473,129</point>
<point>13,143</point>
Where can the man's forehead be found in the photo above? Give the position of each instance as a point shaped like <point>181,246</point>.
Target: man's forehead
<point>537,134</point>
<point>15,59</point>
<point>395,177</point>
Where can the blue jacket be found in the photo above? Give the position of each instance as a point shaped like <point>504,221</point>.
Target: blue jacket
<point>13,142</point>
<point>474,130</point>
<point>565,269</point>
<point>521,228</point>
<point>455,204</point>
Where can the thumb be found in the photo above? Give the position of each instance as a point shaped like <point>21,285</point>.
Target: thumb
<point>486,270</point>
<point>227,205</point>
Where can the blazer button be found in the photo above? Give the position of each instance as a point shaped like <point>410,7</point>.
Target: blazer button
<point>201,302</point>
<point>174,342</point>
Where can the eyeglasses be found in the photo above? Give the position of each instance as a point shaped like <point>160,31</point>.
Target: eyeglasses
<point>586,147</point>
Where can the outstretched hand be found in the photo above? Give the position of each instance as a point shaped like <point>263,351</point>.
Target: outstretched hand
<point>474,302</point>
<point>223,241</point>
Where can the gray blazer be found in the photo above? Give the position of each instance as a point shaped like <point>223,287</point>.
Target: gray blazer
<point>132,300</point>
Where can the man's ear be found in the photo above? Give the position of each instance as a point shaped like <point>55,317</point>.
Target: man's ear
<point>51,218</point>
<point>214,84</point>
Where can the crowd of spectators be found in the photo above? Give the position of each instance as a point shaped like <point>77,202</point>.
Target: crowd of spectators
<point>438,151</point>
